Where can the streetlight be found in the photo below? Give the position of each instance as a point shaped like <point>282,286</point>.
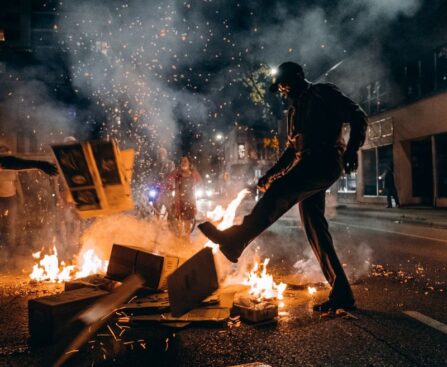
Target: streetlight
<point>219,136</point>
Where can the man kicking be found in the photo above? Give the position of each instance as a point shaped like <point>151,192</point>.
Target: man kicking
<point>313,160</point>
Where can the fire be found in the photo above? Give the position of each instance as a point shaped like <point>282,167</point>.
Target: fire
<point>227,216</point>
<point>262,285</point>
<point>50,269</point>
<point>216,214</point>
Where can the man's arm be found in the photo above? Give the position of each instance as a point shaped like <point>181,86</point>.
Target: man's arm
<point>280,168</point>
<point>350,112</point>
<point>15,163</point>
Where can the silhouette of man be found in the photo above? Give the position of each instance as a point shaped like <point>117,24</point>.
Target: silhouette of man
<point>313,160</point>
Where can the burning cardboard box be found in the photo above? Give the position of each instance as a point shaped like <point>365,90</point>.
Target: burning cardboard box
<point>49,316</point>
<point>153,268</point>
<point>257,312</point>
<point>97,175</point>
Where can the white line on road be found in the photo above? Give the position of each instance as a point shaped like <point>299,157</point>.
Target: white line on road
<point>435,324</point>
<point>388,231</point>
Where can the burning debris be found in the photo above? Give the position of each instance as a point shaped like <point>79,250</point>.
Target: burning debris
<point>171,293</point>
<point>49,268</point>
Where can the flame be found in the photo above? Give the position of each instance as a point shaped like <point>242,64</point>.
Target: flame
<point>228,216</point>
<point>49,269</point>
<point>216,214</point>
<point>91,264</point>
<point>262,285</point>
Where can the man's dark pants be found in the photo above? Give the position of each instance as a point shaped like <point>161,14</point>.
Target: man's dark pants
<point>305,184</point>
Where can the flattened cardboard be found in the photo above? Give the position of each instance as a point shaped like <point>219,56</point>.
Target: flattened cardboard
<point>192,282</point>
<point>97,175</point>
<point>195,315</point>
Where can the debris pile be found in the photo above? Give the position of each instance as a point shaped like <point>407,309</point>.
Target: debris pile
<point>142,289</point>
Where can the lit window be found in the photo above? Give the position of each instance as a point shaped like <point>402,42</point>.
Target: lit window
<point>241,151</point>
<point>348,183</point>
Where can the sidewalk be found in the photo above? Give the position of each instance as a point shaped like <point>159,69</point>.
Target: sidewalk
<point>417,215</point>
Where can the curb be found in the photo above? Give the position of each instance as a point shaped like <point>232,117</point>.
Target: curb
<point>395,217</point>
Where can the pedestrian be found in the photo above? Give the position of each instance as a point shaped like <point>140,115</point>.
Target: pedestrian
<point>183,181</point>
<point>390,187</point>
<point>314,158</point>
<point>11,196</point>
<point>164,166</point>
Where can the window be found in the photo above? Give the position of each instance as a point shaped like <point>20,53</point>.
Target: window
<point>422,169</point>
<point>241,151</point>
<point>375,162</point>
<point>348,183</point>
<point>441,161</point>
<point>441,67</point>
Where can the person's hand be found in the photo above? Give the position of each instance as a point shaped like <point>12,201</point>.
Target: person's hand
<point>47,167</point>
<point>263,183</point>
<point>350,161</point>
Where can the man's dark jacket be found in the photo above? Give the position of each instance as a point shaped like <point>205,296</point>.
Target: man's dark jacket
<point>314,123</point>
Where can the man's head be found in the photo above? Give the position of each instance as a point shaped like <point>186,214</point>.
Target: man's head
<point>184,164</point>
<point>288,78</point>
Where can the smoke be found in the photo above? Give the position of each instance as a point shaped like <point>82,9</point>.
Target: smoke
<point>151,235</point>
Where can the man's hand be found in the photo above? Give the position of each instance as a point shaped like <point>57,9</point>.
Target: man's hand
<point>47,167</point>
<point>350,161</point>
<point>263,183</point>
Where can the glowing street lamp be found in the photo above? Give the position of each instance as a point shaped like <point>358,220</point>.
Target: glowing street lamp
<point>219,136</point>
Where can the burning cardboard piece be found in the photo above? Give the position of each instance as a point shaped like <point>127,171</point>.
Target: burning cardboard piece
<point>153,268</point>
<point>192,282</point>
<point>97,175</point>
<point>48,316</point>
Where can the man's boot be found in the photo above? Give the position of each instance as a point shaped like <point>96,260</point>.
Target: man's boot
<point>231,241</point>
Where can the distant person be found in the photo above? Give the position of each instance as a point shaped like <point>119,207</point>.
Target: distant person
<point>390,187</point>
<point>11,193</point>
<point>313,160</point>
<point>184,180</point>
<point>164,166</point>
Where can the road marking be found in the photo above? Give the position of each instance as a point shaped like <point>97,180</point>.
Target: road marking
<point>435,324</point>
<point>388,231</point>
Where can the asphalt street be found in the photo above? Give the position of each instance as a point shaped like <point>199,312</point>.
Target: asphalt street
<point>399,279</point>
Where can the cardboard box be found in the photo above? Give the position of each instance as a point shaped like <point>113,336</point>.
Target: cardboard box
<point>153,268</point>
<point>97,175</point>
<point>258,312</point>
<point>192,282</point>
<point>49,316</point>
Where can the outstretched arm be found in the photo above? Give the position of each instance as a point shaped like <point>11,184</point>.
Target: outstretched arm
<point>15,163</point>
